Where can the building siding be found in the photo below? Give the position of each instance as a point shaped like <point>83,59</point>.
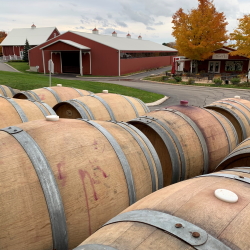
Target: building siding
<point>139,64</point>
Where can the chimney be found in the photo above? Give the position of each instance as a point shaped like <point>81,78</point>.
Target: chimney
<point>139,37</point>
<point>95,31</point>
<point>114,34</point>
<point>128,35</point>
<point>33,26</point>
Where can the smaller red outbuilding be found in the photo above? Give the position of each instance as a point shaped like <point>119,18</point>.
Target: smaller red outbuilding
<point>91,53</point>
<point>220,62</point>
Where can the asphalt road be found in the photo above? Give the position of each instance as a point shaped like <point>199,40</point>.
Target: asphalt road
<point>197,96</point>
<point>6,67</point>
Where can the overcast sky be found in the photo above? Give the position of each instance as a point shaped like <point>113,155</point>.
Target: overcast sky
<point>150,18</point>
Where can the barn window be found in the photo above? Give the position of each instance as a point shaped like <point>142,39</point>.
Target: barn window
<point>127,55</point>
<point>234,66</point>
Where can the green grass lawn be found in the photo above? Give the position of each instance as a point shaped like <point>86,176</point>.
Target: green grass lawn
<point>27,81</point>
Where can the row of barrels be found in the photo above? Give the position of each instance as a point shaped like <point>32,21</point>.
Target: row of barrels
<point>89,173</point>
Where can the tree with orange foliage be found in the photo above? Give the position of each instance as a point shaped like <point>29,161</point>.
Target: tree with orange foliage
<point>241,37</point>
<point>3,34</point>
<point>199,32</point>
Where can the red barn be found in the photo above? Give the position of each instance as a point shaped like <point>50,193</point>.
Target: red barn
<point>91,53</point>
<point>14,43</point>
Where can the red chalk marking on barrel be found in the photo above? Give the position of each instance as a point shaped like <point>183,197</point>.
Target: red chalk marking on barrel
<point>95,144</point>
<point>42,96</point>
<point>103,173</point>
<point>61,176</point>
<point>82,175</point>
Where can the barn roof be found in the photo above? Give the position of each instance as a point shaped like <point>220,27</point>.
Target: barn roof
<point>35,36</point>
<point>125,44</point>
<point>74,44</point>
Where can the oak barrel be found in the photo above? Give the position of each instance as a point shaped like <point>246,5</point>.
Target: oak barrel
<point>102,106</point>
<point>61,180</point>
<point>237,111</point>
<point>183,216</point>
<point>14,111</point>
<point>240,156</point>
<point>183,145</point>
<point>216,129</point>
<point>6,91</point>
<point>51,95</point>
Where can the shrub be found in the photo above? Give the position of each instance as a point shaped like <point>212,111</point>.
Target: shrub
<point>217,81</point>
<point>235,80</point>
<point>165,78</point>
<point>191,81</point>
<point>178,78</point>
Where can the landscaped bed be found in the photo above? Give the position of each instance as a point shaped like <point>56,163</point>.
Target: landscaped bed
<point>199,82</point>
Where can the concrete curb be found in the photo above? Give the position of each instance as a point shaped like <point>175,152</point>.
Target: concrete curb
<point>157,102</point>
<point>176,84</point>
<point>12,67</point>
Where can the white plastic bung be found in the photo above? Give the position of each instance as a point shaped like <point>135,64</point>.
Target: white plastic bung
<point>59,85</point>
<point>226,195</point>
<point>237,96</point>
<point>52,118</point>
<point>105,91</point>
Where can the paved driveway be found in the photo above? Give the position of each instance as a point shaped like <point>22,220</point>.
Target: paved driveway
<point>6,67</point>
<point>198,96</point>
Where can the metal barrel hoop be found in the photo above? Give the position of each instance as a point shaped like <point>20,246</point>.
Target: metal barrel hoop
<point>18,109</point>
<point>37,98</point>
<point>224,128</point>
<point>145,152</point>
<point>122,158</point>
<point>105,104</point>
<point>199,135</point>
<point>58,99</point>
<point>167,223</point>
<point>152,151</point>
<point>174,156</point>
<point>91,115</point>
<point>244,133</point>
<point>132,104</point>
<point>3,90</point>
<point>48,184</point>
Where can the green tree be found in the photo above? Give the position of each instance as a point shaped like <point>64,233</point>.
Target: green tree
<point>199,32</point>
<point>26,51</point>
<point>241,37</point>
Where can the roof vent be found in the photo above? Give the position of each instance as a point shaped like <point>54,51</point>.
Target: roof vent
<point>139,37</point>
<point>128,35</point>
<point>114,34</point>
<point>95,31</point>
<point>33,26</point>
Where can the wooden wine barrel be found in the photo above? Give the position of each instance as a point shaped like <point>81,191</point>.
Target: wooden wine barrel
<point>15,111</point>
<point>51,95</point>
<point>240,156</point>
<point>212,126</point>
<point>183,145</point>
<point>183,216</point>
<point>102,107</point>
<point>6,91</point>
<point>237,111</point>
<point>61,180</point>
